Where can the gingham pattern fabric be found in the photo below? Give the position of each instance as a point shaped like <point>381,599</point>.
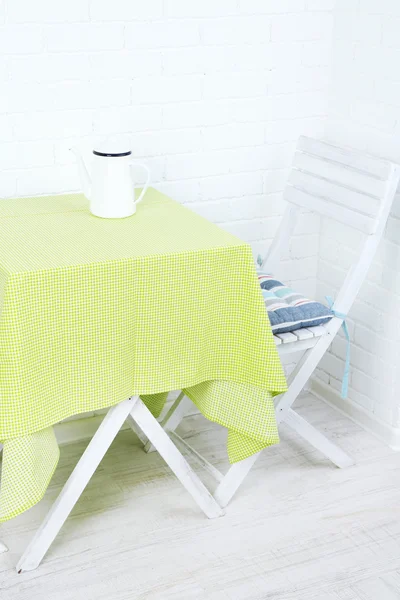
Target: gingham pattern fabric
<point>94,311</point>
<point>28,466</point>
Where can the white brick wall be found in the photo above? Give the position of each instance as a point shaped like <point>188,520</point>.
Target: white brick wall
<point>212,93</point>
<point>213,96</point>
<point>364,113</point>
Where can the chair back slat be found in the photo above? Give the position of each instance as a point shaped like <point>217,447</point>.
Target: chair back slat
<point>327,208</point>
<point>369,165</point>
<point>339,183</point>
<point>332,191</point>
<point>340,174</point>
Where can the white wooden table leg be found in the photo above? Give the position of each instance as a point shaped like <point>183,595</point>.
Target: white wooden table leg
<point>173,417</point>
<point>318,440</point>
<point>136,429</point>
<point>233,479</point>
<point>177,412</point>
<point>218,476</point>
<point>75,485</point>
<point>175,460</point>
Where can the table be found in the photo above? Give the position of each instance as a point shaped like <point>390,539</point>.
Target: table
<point>97,312</point>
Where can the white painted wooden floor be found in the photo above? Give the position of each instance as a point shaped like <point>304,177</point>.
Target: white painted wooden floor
<point>299,529</point>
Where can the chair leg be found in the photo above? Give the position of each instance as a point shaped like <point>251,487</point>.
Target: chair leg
<point>318,440</point>
<point>300,375</point>
<point>173,417</point>
<point>298,379</point>
<point>233,480</point>
<point>174,459</point>
<point>75,485</point>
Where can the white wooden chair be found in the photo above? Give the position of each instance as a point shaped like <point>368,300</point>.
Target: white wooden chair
<point>351,188</point>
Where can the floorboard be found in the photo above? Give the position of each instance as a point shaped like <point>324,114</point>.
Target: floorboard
<point>299,528</point>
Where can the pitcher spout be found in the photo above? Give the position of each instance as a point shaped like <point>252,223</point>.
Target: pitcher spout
<point>83,173</point>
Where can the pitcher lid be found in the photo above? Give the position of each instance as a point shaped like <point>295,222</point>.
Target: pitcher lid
<point>110,148</point>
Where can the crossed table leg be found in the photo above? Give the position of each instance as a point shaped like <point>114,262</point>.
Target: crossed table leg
<point>135,410</point>
<point>230,482</point>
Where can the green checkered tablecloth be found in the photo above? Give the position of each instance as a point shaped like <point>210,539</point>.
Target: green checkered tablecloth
<point>93,311</point>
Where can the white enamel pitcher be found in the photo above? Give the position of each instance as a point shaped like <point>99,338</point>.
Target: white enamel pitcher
<point>110,189</point>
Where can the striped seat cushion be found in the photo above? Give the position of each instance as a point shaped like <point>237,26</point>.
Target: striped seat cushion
<point>289,310</point>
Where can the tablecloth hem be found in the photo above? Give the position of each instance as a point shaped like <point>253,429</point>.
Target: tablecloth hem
<point>264,441</point>
<point>30,503</point>
<point>96,406</point>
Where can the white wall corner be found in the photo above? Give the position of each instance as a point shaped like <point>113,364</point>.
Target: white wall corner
<point>388,434</point>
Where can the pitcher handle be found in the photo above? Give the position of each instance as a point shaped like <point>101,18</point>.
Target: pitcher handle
<point>146,185</point>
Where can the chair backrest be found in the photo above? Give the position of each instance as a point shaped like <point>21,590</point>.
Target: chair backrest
<point>347,186</point>
<point>339,183</point>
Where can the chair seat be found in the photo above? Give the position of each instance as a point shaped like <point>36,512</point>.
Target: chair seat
<point>290,311</point>
<point>299,339</point>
